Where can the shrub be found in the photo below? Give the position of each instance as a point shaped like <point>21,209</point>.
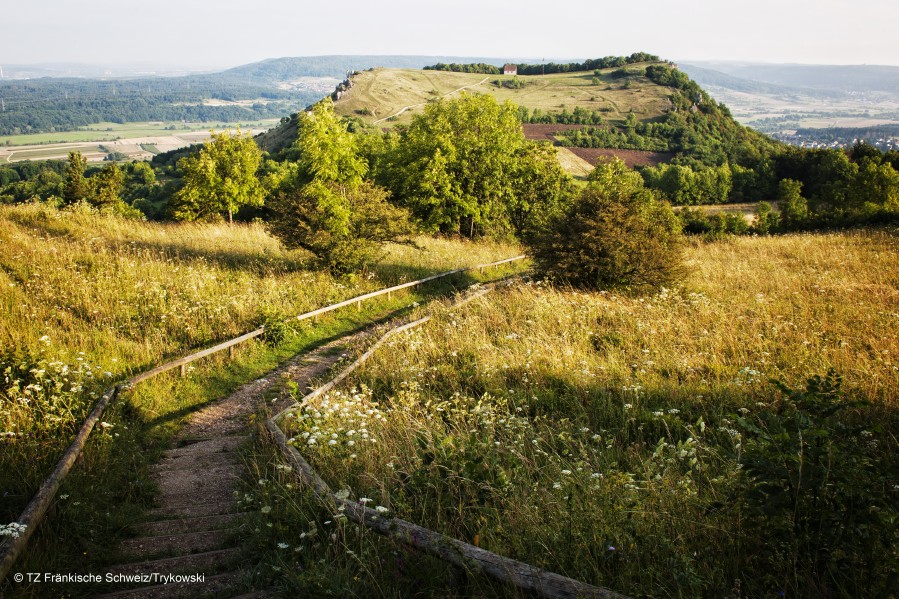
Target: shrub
<point>616,235</point>
<point>345,227</point>
<point>818,478</point>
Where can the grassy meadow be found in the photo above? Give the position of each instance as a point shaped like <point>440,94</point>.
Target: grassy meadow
<point>87,299</point>
<point>734,436</point>
<point>381,93</point>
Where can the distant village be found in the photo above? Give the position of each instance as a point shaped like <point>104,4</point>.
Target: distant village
<point>827,138</point>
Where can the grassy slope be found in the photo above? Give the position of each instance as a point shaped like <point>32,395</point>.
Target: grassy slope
<point>554,425</point>
<point>86,299</point>
<point>387,91</point>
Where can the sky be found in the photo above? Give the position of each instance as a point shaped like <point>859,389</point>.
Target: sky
<point>222,33</point>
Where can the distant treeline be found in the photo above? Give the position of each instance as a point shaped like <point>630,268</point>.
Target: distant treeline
<point>609,62</point>
<point>41,105</point>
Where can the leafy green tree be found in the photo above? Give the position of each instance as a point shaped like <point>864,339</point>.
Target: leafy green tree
<point>615,235</point>
<point>220,178</point>
<point>542,189</point>
<point>454,166</point>
<point>793,207</point>
<point>76,188</point>
<point>327,151</point>
<point>106,188</point>
<point>324,204</point>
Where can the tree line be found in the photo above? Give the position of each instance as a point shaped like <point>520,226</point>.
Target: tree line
<point>607,62</point>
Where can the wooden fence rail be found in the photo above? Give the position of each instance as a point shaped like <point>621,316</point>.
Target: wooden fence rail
<point>464,556</point>
<point>31,517</point>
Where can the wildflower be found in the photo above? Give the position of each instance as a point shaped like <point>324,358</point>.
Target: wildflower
<point>566,472</point>
<point>557,485</point>
<point>381,509</point>
<point>364,500</point>
<point>283,545</point>
<point>265,509</point>
<point>628,406</point>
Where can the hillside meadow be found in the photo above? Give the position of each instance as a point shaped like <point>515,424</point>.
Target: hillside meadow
<point>380,93</point>
<point>732,436</point>
<point>87,299</point>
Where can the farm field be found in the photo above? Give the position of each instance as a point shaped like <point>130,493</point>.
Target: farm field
<point>641,444</point>
<point>381,93</point>
<point>135,140</point>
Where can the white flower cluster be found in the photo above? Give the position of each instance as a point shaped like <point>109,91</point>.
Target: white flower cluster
<point>13,529</point>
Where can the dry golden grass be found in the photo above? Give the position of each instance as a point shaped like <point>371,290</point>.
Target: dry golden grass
<point>554,425</point>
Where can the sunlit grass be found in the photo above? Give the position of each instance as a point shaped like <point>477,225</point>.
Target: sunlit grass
<point>598,436</point>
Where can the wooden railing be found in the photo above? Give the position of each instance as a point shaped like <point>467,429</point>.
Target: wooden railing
<point>34,512</point>
<point>462,556</point>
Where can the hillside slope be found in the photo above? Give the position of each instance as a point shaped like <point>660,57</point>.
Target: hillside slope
<point>385,93</point>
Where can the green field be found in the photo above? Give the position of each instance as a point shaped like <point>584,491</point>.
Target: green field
<point>112,131</point>
<point>386,92</point>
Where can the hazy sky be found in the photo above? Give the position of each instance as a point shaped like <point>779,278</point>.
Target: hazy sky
<point>230,32</point>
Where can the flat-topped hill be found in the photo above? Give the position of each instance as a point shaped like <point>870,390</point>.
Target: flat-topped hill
<point>391,96</point>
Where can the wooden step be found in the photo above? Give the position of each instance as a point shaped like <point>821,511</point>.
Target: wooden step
<point>177,544</point>
<point>207,446</point>
<point>175,509</point>
<point>208,563</point>
<point>176,526</point>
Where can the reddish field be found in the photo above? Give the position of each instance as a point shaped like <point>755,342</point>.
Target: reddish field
<point>542,132</point>
<point>631,158</point>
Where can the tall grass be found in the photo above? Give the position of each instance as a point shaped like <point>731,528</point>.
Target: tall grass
<point>641,444</point>
<point>87,299</point>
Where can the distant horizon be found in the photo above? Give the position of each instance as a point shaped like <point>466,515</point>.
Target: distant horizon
<point>200,68</point>
<point>228,33</point>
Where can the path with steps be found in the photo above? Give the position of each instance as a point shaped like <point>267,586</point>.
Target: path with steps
<point>194,529</point>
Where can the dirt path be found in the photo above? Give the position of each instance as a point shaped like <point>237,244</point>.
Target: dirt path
<point>195,527</point>
<point>446,95</point>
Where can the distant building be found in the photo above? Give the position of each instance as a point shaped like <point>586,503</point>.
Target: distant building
<point>510,69</point>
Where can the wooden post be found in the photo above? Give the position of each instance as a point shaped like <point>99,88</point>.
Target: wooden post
<point>231,353</point>
<point>183,370</point>
<point>359,306</point>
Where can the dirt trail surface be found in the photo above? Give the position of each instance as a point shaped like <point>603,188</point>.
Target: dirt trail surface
<point>195,528</point>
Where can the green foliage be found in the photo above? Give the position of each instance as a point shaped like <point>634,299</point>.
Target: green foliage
<point>326,152</point>
<point>76,189</point>
<point>344,226</point>
<point>221,177</point>
<point>766,219</point>
<point>325,206</point>
<point>276,324</point>
<point>616,235</point>
<point>106,188</point>
<point>793,207</point>
<point>459,165</point>
<point>713,226</point>
<point>814,477</point>
<point>684,185</point>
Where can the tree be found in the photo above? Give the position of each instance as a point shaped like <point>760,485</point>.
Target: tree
<point>106,188</point>
<point>454,166</point>
<point>76,188</point>
<point>221,177</point>
<point>324,204</point>
<point>615,235</point>
<point>793,207</point>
